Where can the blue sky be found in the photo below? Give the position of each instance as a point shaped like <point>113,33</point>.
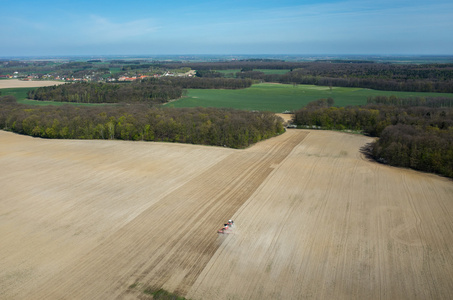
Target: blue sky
<point>150,27</point>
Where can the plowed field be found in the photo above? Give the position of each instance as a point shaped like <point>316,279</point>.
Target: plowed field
<point>16,83</point>
<point>314,219</point>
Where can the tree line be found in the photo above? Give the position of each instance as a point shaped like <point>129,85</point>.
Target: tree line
<point>436,77</point>
<point>204,126</point>
<point>394,84</point>
<point>411,101</point>
<point>416,137</point>
<point>379,76</point>
<point>87,92</point>
<point>329,69</point>
<point>428,149</point>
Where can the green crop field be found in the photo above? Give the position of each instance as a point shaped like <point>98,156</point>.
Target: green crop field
<point>272,71</point>
<point>282,97</point>
<point>18,93</point>
<point>263,97</point>
<point>231,73</point>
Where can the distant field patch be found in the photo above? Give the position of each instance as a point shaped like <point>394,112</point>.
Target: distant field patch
<point>272,71</point>
<point>18,93</point>
<point>20,88</point>
<point>265,71</point>
<point>282,97</point>
<point>229,73</point>
<point>16,83</point>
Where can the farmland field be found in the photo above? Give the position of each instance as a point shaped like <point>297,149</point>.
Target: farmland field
<point>314,220</point>
<point>263,97</point>
<point>281,97</point>
<point>19,89</point>
<point>16,83</point>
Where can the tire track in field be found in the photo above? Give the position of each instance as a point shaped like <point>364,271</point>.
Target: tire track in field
<point>170,243</point>
<point>246,185</point>
<point>419,240</point>
<point>220,208</point>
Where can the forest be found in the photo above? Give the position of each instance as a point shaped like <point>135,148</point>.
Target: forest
<point>417,137</point>
<point>412,101</point>
<point>379,76</point>
<point>139,122</point>
<point>410,77</point>
<point>87,92</point>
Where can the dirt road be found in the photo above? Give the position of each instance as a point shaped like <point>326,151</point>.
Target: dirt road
<point>314,219</point>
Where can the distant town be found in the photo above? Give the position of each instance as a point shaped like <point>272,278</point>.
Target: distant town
<point>30,70</point>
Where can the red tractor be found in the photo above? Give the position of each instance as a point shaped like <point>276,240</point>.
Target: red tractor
<point>225,227</point>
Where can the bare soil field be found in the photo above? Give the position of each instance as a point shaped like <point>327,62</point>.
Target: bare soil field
<point>314,220</point>
<point>16,83</point>
<point>286,117</point>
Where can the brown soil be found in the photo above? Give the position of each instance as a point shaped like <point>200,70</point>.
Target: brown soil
<point>286,117</point>
<point>16,83</point>
<point>107,219</point>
